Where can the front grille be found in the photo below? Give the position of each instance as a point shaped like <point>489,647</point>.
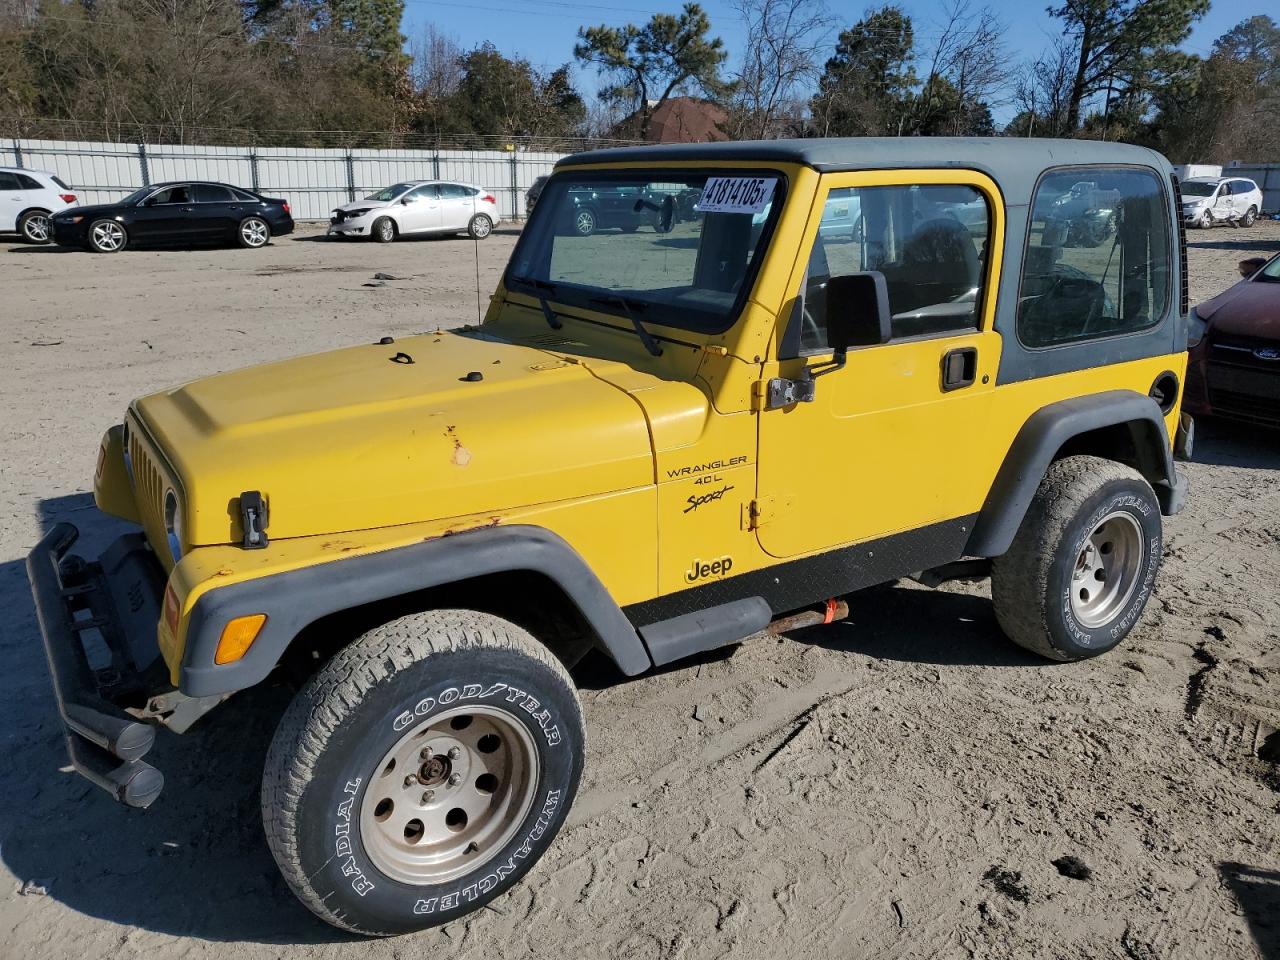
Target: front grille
<point>149,485</point>
<point>1246,406</point>
<point>1250,352</point>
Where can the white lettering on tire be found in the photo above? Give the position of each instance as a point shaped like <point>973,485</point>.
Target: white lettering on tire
<point>342,841</point>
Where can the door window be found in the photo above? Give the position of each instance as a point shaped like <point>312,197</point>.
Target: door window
<point>427,191</point>
<point>181,194</point>
<point>27,183</point>
<point>928,240</point>
<point>212,193</point>
<point>9,181</point>
<point>1097,262</point>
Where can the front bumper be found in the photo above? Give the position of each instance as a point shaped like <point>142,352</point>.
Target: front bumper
<point>110,607</point>
<point>350,227</point>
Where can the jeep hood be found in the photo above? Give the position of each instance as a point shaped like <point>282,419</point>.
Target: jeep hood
<point>429,427</point>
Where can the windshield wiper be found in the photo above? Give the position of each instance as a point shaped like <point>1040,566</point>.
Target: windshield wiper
<point>646,337</point>
<point>550,315</point>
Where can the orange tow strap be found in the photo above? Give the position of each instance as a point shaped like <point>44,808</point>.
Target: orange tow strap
<point>830,615</point>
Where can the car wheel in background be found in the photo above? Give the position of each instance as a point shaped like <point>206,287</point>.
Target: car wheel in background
<point>1250,217</point>
<point>479,227</point>
<point>1206,220</point>
<point>35,226</point>
<point>107,236</point>
<point>383,230</point>
<point>584,223</point>
<point>253,233</point>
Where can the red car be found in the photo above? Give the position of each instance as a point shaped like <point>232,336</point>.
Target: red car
<point>1234,368</point>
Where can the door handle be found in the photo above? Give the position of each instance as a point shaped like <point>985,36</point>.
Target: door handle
<point>187,209</point>
<point>959,368</point>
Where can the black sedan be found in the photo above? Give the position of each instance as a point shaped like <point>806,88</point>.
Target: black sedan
<point>175,213</point>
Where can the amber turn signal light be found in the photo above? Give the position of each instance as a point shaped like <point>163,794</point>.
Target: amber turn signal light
<point>237,636</point>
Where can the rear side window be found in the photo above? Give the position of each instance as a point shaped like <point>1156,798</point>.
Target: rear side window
<point>454,191</point>
<point>1098,256</point>
<point>1245,186</point>
<point>243,197</point>
<point>59,182</point>
<point>212,193</point>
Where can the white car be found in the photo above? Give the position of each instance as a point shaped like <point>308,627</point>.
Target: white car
<point>1210,200</point>
<point>28,199</point>
<point>418,207</point>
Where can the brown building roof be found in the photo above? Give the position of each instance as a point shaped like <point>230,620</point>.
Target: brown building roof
<point>681,120</point>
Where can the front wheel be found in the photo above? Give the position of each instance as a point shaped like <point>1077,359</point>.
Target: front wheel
<point>1083,562</point>
<point>253,233</point>
<point>479,227</point>
<point>383,230</point>
<point>1206,220</point>
<point>584,223</point>
<point>107,236</point>
<point>36,227</point>
<point>1250,217</point>
<point>422,772</point>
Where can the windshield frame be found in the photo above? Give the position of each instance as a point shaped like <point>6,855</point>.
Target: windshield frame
<point>1269,272</point>
<point>655,314</point>
<point>135,198</point>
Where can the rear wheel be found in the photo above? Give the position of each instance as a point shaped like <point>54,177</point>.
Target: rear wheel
<point>422,771</point>
<point>1250,216</point>
<point>107,236</point>
<point>1083,563</point>
<point>253,233</point>
<point>35,226</point>
<point>383,230</point>
<point>479,227</point>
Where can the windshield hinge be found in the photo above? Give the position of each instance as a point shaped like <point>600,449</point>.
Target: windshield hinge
<point>781,392</point>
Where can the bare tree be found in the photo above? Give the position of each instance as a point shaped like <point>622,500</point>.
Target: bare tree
<point>437,64</point>
<point>1042,92</point>
<point>967,70</point>
<point>781,58</point>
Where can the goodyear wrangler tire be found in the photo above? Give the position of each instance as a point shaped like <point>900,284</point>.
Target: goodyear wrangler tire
<point>422,772</point>
<point>1083,563</point>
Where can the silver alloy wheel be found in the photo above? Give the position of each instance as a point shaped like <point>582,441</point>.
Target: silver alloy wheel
<point>586,222</point>
<point>481,226</point>
<point>1107,569</point>
<point>107,236</point>
<point>449,795</point>
<point>1206,220</point>
<point>254,232</point>
<point>1250,216</point>
<point>36,228</point>
<point>386,231</point>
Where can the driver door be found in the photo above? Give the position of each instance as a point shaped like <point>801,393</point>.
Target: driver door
<point>882,447</point>
<point>420,209</point>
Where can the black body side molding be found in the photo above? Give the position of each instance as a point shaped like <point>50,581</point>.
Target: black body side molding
<point>691,633</point>
<point>1044,434</point>
<point>294,599</point>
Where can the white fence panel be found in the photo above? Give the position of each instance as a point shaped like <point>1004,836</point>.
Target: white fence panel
<point>96,172</point>
<point>314,181</point>
<point>224,164</point>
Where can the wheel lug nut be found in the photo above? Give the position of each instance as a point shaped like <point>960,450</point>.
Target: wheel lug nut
<point>426,753</point>
<point>410,780</point>
<point>454,753</point>
<point>455,779</point>
<point>428,796</point>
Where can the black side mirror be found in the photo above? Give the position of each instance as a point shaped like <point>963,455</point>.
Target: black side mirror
<point>857,311</point>
<point>404,201</point>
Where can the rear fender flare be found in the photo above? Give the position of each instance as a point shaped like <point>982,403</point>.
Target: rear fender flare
<point>297,598</point>
<point>1043,436</point>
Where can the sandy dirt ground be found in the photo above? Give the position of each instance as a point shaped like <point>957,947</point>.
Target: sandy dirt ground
<point>899,785</point>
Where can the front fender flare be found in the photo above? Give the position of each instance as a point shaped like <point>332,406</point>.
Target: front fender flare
<point>1038,443</point>
<point>296,598</point>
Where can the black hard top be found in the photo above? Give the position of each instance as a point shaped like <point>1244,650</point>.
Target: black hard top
<point>1023,155</point>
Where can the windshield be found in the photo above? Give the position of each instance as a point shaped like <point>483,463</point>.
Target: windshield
<point>137,196</point>
<point>1271,272</point>
<point>677,249</point>
<point>1189,188</point>
<point>389,193</point>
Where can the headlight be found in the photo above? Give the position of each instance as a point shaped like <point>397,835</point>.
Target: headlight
<point>1196,328</point>
<point>173,524</point>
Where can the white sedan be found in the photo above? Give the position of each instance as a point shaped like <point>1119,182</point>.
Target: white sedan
<point>418,207</point>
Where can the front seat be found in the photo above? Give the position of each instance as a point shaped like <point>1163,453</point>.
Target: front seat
<point>944,247</point>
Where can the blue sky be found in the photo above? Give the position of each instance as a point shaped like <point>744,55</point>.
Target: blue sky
<point>544,31</point>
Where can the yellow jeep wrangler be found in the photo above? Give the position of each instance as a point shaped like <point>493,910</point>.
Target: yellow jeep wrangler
<point>718,385</point>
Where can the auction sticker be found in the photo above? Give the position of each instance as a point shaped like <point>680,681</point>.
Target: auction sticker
<point>736,194</point>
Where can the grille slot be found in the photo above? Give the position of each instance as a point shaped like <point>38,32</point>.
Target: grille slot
<point>149,484</point>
